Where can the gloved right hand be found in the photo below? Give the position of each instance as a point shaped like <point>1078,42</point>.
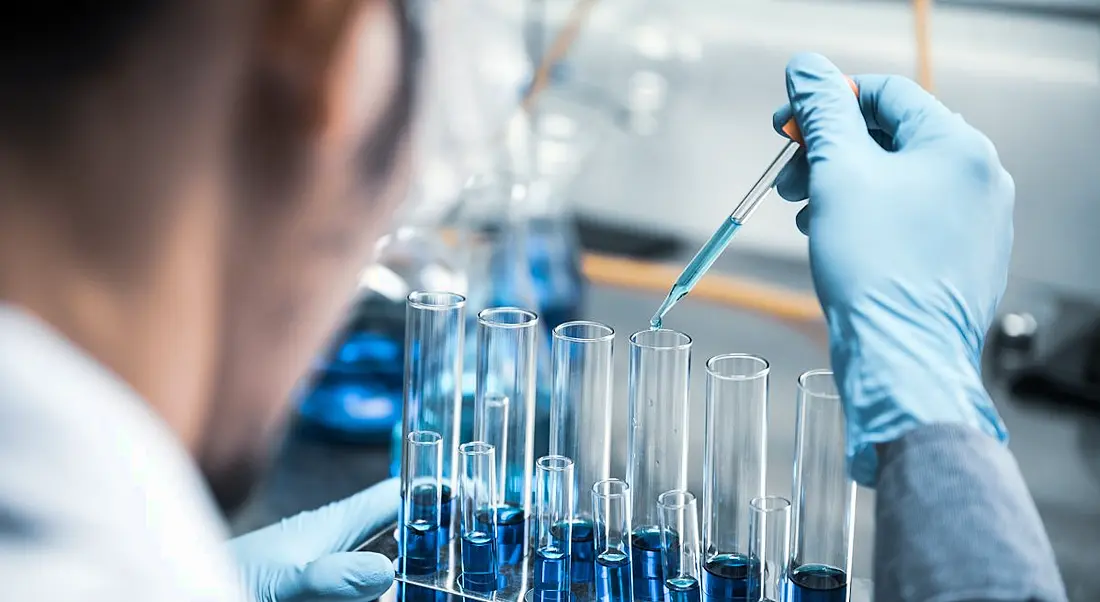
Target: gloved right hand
<point>910,232</point>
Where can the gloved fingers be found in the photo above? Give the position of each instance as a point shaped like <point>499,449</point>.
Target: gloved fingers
<point>823,106</point>
<point>344,576</point>
<point>902,109</point>
<point>340,526</point>
<point>793,182</point>
<point>802,220</point>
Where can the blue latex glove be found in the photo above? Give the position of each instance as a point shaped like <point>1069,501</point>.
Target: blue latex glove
<point>308,557</point>
<point>910,231</point>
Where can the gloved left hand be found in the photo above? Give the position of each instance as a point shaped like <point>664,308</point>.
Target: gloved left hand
<point>309,557</point>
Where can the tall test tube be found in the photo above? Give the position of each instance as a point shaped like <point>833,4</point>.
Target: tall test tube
<point>479,518</point>
<point>824,496</point>
<point>435,324</point>
<point>423,496</point>
<point>769,547</point>
<point>506,353</point>
<point>611,508</point>
<point>680,545</point>
<point>658,441</point>
<point>580,423</point>
<point>734,463</point>
<point>554,499</point>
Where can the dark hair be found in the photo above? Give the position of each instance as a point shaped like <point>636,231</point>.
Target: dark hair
<point>49,50</point>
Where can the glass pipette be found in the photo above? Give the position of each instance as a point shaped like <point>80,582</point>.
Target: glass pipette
<point>718,241</point>
<point>722,236</point>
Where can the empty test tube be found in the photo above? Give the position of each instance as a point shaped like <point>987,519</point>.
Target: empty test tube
<point>580,423</point>
<point>658,443</point>
<point>611,505</point>
<point>506,354</point>
<point>479,519</point>
<point>434,335</point>
<point>769,547</point>
<point>734,463</point>
<point>423,482</point>
<point>824,496</point>
<point>554,503</point>
<point>680,545</point>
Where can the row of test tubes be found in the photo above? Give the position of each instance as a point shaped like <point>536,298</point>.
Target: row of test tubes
<point>580,534</point>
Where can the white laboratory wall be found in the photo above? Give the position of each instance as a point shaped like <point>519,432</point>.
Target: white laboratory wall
<point>1031,81</point>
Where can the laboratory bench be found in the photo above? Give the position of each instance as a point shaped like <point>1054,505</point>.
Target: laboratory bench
<point>1058,449</point>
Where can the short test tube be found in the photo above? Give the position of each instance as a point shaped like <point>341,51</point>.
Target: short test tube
<point>824,496</point>
<point>434,335</point>
<point>506,355</point>
<point>423,495</point>
<point>769,547</point>
<point>680,545</point>
<point>580,422</point>
<point>554,504</point>
<point>611,508</point>
<point>491,426</point>
<point>658,443</point>
<point>734,460</point>
<point>477,485</point>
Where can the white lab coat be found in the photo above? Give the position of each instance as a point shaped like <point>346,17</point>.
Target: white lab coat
<point>98,500</point>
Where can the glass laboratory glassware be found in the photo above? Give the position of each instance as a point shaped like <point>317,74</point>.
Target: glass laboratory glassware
<point>423,485</point>
<point>679,545</point>
<point>769,547</point>
<point>611,506</point>
<point>554,503</point>
<point>823,526</point>
<point>734,460</point>
<point>580,422</point>
<point>658,442</point>
<point>507,338</point>
<point>434,331</point>
<point>479,518</point>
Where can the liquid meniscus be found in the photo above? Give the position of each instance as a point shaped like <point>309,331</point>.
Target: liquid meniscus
<point>421,547</point>
<point>817,583</point>
<point>479,561</point>
<point>551,579</point>
<point>509,533</point>
<point>682,589</point>
<point>645,543</point>
<point>730,577</point>
<point>584,551</point>
<point>613,580</point>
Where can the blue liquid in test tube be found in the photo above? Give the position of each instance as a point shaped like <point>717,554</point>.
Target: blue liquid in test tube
<point>682,589</point>
<point>422,532</point>
<point>551,583</point>
<point>477,487</point>
<point>648,576</point>
<point>726,577</point>
<point>817,583</point>
<point>613,579</point>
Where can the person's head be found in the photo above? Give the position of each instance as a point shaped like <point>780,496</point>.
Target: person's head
<point>189,188</point>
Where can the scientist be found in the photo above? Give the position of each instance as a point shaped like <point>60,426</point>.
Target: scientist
<point>188,191</point>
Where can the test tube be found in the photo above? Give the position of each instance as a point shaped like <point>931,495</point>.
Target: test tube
<point>554,499</point>
<point>506,354</point>
<point>824,495</point>
<point>611,506</point>
<point>769,547</point>
<point>734,463</point>
<point>479,518</point>
<point>434,335</point>
<point>680,545</point>
<point>580,423</point>
<point>658,443</point>
<point>491,426</point>
<point>422,503</point>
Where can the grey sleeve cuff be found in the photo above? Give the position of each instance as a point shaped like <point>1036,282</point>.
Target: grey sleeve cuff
<point>955,522</point>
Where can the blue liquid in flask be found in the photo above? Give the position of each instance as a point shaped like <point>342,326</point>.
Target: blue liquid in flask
<point>613,579</point>
<point>551,579</point>
<point>646,570</point>
<point>682,589</point>
<point>728,577</point>
<point>817,583</point>
<point>479,561</point>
